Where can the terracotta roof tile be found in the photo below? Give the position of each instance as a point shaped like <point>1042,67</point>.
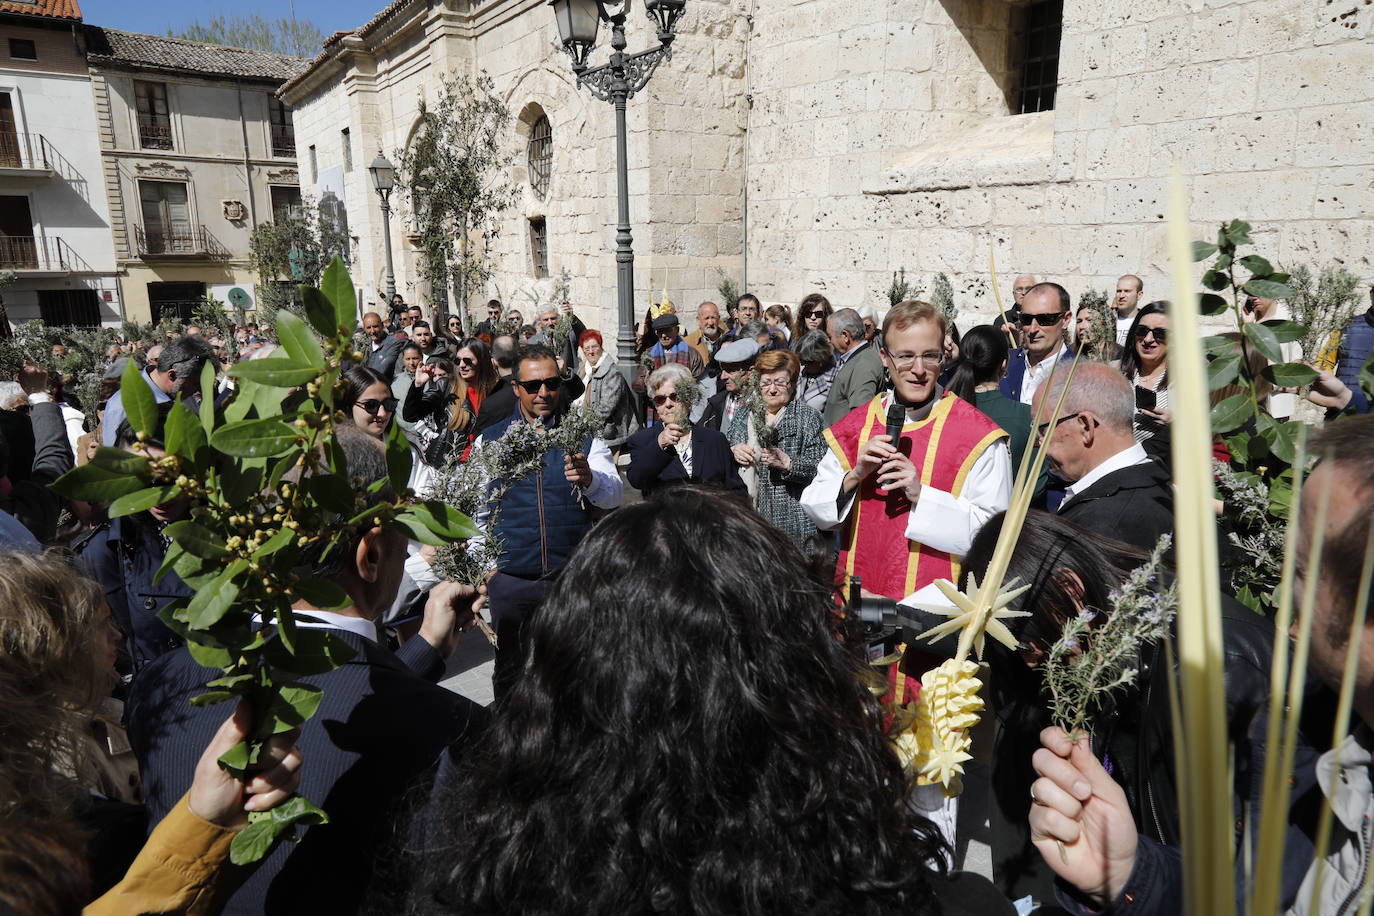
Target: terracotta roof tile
<point>112,46</point>
<point>55,9</point>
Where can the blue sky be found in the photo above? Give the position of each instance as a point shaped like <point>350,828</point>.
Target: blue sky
<point>156,16</point>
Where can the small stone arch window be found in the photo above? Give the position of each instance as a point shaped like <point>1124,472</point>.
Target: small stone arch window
<point>539,154</point>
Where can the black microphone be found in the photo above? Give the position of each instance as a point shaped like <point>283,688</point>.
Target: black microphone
<point>896,419</point>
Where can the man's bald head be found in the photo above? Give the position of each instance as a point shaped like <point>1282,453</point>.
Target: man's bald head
<point>1096,388</point>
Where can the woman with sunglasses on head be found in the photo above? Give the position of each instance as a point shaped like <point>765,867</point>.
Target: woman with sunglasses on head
<point>1145,363</point>
<point>672,450</point>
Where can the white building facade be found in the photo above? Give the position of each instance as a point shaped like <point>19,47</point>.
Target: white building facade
<point>54,215</point>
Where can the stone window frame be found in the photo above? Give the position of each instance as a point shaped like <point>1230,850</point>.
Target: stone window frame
<point>539,247</point>
<point>1039,35</point>
<point>539,155</point>
<point>154,128</point>
<point>537,162</point>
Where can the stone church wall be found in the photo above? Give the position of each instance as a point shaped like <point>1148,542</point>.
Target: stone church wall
<point>823,144</point>
<point>881,137</point>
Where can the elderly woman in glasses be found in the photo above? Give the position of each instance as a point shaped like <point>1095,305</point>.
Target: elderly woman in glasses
<point>671,450</point>
<point>783,456</point>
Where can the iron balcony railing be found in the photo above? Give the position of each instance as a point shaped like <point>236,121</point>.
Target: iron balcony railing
<point>155,131</point>
<point>194,241</point>
<point>25,151</point>
<point>283,141</point>
<point>26,252</point>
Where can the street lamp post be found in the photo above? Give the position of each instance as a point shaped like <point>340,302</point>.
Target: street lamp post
<point>383,180</point>
<point>615,81</point>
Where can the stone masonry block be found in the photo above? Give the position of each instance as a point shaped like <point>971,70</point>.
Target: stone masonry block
<point>1319,76</point>
<point>1336,135</point>
<point>1344,193</point>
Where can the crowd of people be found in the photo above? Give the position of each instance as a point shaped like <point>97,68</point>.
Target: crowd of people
<point>682,721</point>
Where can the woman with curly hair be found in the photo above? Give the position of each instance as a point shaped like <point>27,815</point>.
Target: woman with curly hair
<point>690,735</point>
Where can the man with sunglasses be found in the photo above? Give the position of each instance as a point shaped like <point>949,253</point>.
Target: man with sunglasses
<point>545,514</point>
<point>493,319</point>
<point>1045,311</point>
<point>1114,488</point>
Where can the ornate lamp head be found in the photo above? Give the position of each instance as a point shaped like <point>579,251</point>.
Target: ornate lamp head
<point>665,14</point>
<point>578,22</point>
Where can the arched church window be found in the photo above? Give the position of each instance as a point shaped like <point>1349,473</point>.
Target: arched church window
<point>539,153</point>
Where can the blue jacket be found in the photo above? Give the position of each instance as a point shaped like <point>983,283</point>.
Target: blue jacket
<point>1016,371</point>
<point>541,520</point>
<point>1357,343</point>
<point>122,556</point>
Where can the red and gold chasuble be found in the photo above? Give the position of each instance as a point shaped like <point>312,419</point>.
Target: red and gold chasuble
<point>944,447</point>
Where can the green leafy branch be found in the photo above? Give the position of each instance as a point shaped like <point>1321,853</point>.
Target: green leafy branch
<point>270,496</point>
<point>1261,447</point>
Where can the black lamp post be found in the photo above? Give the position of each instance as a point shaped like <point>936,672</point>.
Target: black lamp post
<point>383,180</point>
<point>614,82</point>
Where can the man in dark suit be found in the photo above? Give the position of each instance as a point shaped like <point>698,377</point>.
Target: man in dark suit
<point>1114,488</point>
<point>734,358</point>
<point>1044,322</point>
<point>381,726</point>
<point>383,350</point>
<point>860,375</point>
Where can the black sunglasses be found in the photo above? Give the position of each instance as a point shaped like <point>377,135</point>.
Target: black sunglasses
<point>372,406</point>
<point>466,361</point>
<point>533,385</point>
<point>1160,334</point>
<point>1045,320</point>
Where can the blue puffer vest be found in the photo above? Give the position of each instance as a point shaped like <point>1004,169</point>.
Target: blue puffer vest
<point>1357,342</point>
<point>541,522</point>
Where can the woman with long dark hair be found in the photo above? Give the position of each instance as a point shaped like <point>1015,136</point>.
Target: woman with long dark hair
<point>453,403</point>
<point>1145,363</point>
<point>811,316</point>
<point>690,735</point>
<point>982,363</point>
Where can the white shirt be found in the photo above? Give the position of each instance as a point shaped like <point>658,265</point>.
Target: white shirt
<point>326,619</point>
<point>938,519</point>
<point>1126,458</point>
<point>1036,375</point>
<point>1123,327</point>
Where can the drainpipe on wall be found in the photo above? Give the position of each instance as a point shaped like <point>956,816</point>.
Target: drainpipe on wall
<point>748,120</point>
<point>247,164</point>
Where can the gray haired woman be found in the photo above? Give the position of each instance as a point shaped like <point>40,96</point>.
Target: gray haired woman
<point>671,450</point>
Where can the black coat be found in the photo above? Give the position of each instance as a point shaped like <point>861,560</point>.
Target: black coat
<point>1136,738</point>
<point>715,411</point>
<point>712,461</point>
<point>381,727</point>
<point>1134,505</point>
